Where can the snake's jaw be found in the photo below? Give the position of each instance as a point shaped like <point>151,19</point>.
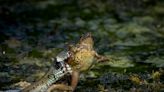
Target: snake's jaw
<point>68,68</point>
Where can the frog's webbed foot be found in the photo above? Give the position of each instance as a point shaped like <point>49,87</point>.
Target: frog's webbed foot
<point>60,87</point>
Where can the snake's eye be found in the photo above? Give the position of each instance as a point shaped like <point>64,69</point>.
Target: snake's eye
<point>57,65</point>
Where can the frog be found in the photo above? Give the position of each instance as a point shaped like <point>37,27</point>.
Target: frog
<point>82,57</point>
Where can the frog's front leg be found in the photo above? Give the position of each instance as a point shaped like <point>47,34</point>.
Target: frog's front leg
<point>100,58</point>
<point>63,87</point>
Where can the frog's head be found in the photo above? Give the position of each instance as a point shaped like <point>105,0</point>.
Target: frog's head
<point>87,40</point>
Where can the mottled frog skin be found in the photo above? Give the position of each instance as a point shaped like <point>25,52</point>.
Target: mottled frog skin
<point>82,54</point>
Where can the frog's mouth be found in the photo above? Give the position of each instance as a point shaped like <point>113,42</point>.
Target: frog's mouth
<point>88,35</point>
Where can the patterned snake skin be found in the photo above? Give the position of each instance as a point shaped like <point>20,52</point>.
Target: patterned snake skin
<point>56,72</point>
<point>52,76</point>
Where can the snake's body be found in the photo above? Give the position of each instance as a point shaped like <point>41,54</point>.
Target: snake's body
<point>55,73</point>
<point>51,77</point>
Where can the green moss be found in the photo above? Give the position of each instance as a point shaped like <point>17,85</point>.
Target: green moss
<point>35,53</point>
